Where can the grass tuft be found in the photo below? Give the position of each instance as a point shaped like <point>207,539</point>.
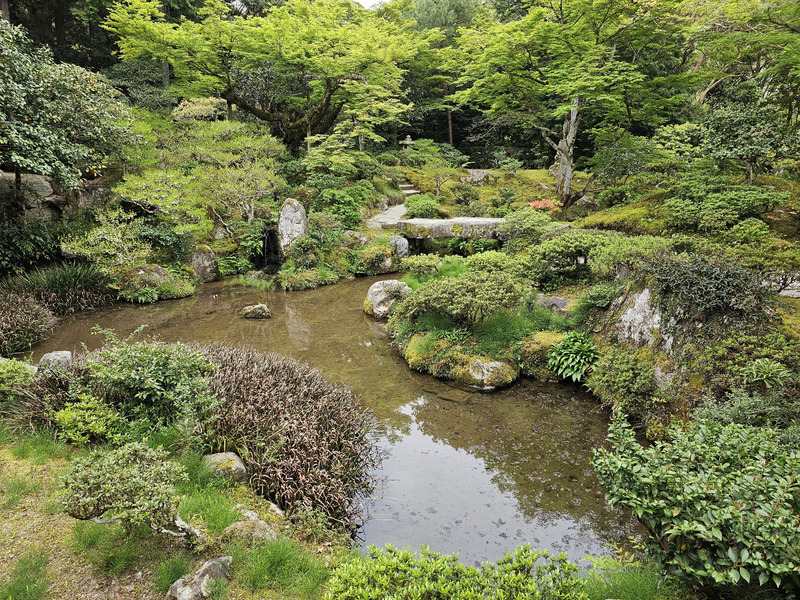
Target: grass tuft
<point>172,569</point>
<point>283,566</point>
<point>28,580</point>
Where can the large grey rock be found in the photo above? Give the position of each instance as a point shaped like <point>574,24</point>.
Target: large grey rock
<point>292,224</point>
<point>476,177</point>
<point>554,303</point>
<point>227,465</point>
<point>488,375</point>
<point>256,311</point>
<point>204,264</point>
<point>641,320</point>
<point>34,187</point>
<point>399,245</point>
<point>249,532</point>
<point>60,359</point>
<point>195,586</point>
<point>382,295</point>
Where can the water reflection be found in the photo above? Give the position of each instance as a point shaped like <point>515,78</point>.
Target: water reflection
<point>464,471</point>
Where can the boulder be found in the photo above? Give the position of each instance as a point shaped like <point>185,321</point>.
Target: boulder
<point>249,532</point>
<point>204,264</point>
<point>292,224</point>
<point>399,245</point>
<point>554,304</point>
<point>491,374</point>
<point>34,187</point>
<point>195,586</point>
<point>227,465</point>
<point>256,311</point>
<point>640,322</point>
<point>60,359</point>
<point>382,295</point>
<point>476,177</point>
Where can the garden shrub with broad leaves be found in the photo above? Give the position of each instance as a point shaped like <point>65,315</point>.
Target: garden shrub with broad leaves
<point>304,440</point>
<point>399,574</point>
<point>133,484</point>
<point>720,504</point>
<point>153,384</point>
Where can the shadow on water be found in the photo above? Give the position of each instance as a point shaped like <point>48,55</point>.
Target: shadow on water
<point>464,472</point>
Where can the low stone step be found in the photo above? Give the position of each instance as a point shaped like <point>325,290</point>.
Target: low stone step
<point>405,186</point>
<point>410,192</point>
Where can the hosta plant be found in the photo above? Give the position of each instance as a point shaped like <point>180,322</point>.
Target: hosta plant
<point>573,357</point>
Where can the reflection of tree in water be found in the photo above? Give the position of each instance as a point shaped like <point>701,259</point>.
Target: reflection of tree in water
<point>537,441</point>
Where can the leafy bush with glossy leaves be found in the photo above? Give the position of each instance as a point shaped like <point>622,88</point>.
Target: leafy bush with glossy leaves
<point>719,503</point>
<point>154,383</point>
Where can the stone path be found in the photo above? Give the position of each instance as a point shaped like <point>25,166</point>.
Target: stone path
<point>387,219</point>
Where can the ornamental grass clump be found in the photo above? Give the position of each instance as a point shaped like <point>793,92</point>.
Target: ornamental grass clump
<point>303,439</point>
<point>23,322</point>
<point>64,288</point>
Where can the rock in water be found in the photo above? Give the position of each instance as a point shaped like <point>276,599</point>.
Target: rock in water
<point>292,224</point>
<point>256,311</point>
<point>382,295</point>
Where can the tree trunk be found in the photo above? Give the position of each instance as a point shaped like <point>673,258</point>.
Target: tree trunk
<point>751,173</point>
<point>229,111</point>
<point>165,74</point>
<point>449,118</point>
<point>564,154</point>
<point>6,13</point>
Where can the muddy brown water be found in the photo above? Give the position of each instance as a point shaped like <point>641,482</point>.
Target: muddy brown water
<point>465,472</point>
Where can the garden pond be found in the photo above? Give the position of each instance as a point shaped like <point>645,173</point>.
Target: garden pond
<point>463,471</point>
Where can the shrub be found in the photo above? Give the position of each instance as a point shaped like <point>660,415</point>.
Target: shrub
<point>573,357</point>
<point>64,288</point>
<point>625,254</point>
<point>133,484</point>
<point>718,503</point>
<point>303,439</point>
<point>346,203</point>
<point>200,109</point>
<point>623,380</point>
<point>422,206</point>
<point>564,258</point>
<point>530,574</point>
<point>149,283</point>
<point>525,227</point>
<point>709,286</point>
<point>619,194</point>
<point>23,245</point>
<point>14,374</point>
<point>463,193</point>
<point>89,419</point>
<point>493,261</point>
<point>422,264</point>
<point>154,384</point>
<point>23,322</point>
<point>467,300</point>
<point>749,231</point>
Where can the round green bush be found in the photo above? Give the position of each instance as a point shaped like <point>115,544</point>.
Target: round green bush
<point>422,206</point>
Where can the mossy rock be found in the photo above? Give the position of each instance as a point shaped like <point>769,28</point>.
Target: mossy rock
<point>534,351</point>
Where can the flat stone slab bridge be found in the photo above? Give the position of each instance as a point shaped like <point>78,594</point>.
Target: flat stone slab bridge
<point>463,227</point>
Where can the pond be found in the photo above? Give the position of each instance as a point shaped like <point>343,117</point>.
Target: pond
<point>464,471</point>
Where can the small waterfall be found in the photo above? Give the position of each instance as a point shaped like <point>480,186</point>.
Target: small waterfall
<point>272,257</point>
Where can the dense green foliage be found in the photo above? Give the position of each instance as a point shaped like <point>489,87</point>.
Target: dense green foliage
<point>132,484</point>
<point>23,322</point>
<point>718,502</point>
<point>573,356</point>
<point>526,573</point>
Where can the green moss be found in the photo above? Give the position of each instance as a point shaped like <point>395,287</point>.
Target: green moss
<point>638,218</point>
<point>534,351</point>
<point>368,306</point>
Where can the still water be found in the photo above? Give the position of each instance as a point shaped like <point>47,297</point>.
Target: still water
<point>465,472</point>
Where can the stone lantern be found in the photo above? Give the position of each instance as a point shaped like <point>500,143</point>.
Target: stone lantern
<point>407,143</point>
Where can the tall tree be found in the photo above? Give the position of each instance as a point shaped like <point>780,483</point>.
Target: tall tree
<point>54,118</point>
<point>562,60</point>
<point>295,68</point>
